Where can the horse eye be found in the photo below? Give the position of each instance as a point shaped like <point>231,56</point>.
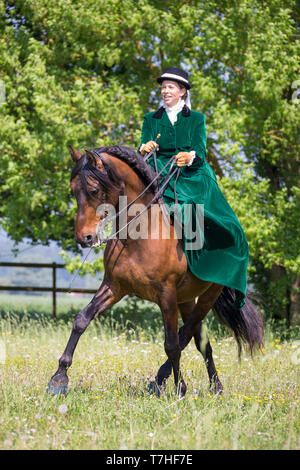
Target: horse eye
<point>94,192</point>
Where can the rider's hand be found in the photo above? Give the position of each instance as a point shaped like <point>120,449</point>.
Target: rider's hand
<point>146,148</point>
<point>182,158</point>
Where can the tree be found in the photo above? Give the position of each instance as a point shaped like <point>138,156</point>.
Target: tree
<point>83,73</point>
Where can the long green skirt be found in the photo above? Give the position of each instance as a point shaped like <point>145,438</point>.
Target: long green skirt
<point>219,251</point>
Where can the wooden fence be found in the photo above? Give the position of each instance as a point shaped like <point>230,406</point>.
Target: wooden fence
<point>54,289</point>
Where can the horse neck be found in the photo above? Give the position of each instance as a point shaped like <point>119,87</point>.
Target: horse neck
<point>132,182</point>
<point>153,215</point>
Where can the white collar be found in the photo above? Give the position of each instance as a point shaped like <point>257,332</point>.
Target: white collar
<point>174,110</point>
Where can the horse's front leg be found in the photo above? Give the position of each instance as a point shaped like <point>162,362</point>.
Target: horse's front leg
<point>103,299</point>
<point>168,305</point>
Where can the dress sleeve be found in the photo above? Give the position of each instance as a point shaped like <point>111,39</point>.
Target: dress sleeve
<point>199,138</point>
<point>146,132</point>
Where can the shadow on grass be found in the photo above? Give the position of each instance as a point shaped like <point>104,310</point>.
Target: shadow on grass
<point>132,314</point>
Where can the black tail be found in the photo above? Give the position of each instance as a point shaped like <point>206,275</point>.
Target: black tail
<point>247,324</point>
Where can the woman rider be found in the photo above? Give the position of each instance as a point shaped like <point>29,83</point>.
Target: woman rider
<point>223,255</point>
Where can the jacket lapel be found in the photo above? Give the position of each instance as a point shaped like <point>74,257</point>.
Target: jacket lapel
<point>179,119</point>
<point>165,121</point>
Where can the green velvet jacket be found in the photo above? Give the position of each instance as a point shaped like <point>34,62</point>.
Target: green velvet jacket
<point>188,133</point>
<point>223,257</point>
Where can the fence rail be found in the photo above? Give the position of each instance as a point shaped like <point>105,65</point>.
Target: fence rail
<point>54,289</point>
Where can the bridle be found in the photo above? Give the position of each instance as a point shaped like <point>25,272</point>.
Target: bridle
<point>157,197</point>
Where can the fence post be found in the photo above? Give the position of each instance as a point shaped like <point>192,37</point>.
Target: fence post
<point>54,290</point>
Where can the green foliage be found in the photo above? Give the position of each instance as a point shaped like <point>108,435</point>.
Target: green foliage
<point>82,267</point>
<point>264,215</point>
<point>83,73</point>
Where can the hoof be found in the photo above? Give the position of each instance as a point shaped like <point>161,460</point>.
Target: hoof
<point>57,389</point>
<point>154,389</point>
<point>217,387</point>
<point>181,389</point>
<point>218,390</point>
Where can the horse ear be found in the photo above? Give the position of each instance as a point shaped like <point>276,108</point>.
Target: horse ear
<point>94,161</point>
<point>91,158</point>
<point>75,154</point>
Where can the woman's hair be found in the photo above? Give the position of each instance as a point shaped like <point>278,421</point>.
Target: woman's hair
<point>181,87</point>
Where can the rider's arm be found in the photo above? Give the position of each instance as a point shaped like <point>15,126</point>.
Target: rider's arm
<point>147,133</point>
<point>198,143</point>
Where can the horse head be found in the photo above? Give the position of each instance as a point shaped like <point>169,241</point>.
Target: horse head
<point>95,185</point>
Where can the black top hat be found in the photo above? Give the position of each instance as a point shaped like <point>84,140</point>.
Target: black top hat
<point>175,74</point>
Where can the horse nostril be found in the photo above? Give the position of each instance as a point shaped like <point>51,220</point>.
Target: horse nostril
<point>85,240</point>
<point>88,240</point>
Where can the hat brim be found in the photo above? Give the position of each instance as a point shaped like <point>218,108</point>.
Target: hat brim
<point>185,84</point>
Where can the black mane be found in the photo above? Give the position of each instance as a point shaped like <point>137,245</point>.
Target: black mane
<point>133,159</point>
<point>109,179</point>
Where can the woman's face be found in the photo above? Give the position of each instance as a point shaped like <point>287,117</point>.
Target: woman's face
<point>171,92</point>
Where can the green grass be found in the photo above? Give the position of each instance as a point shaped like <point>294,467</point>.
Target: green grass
<point>108,407</point>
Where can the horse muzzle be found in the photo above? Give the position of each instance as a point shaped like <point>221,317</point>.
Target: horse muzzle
<point>88,240</point>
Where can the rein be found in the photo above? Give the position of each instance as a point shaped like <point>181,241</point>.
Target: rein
<point>157,195</point>
<point>145,189</point>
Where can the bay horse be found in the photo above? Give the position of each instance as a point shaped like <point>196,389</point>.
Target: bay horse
<point>154,269</point>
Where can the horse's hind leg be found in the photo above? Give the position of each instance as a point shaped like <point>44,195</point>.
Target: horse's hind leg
<point>193,327</point>
<point>203,345</point>
<point>103,299</point>
<point>201,340</point>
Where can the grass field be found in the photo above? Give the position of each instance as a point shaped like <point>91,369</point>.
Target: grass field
<point>108,407</point>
